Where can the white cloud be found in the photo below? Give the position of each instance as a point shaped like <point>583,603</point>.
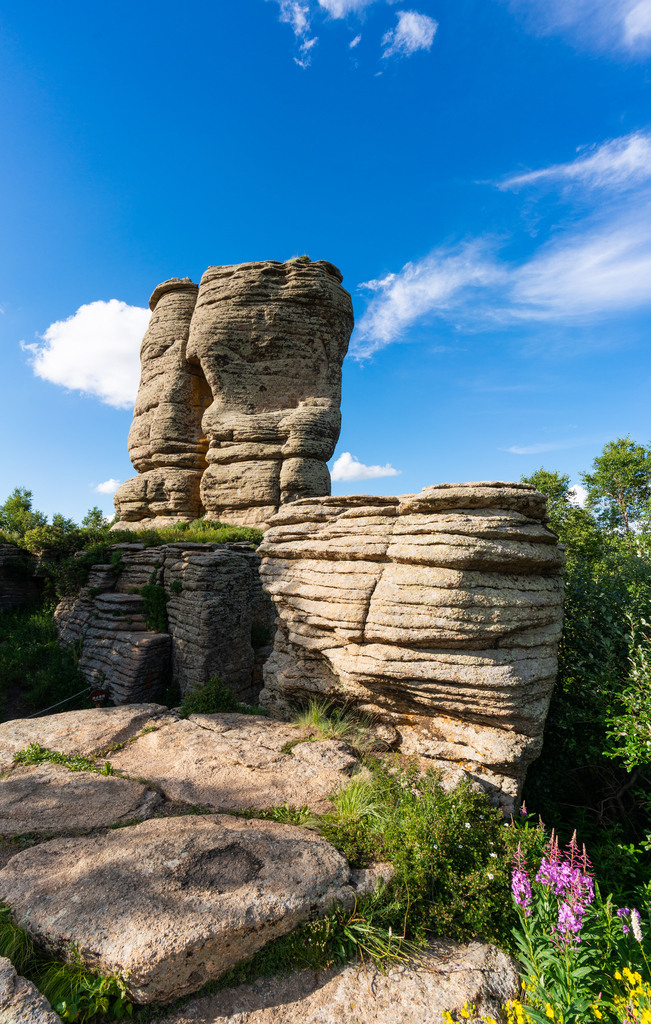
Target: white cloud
<point>597,272</point>
<point>348,467</point>
<point>296,14</point>
<point>597,266</point>
<point>413,32</point>
<point>341,8</point>
<point>637,24</point>
<point>96,351</point>
<point>604,25</point>
<point>354,42</point>
<point>432,285</point>
<point>578,495</point>
<point>616,164</point>
<point>108,487</point>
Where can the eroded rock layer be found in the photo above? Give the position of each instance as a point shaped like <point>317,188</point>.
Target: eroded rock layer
<point>238,407</point>
<point>438,612</point>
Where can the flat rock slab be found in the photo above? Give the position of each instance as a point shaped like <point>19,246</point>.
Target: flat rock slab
<point>20,1000</point>
<point>448,976</point>
<point>231,761</point>
<point>48,798</point>
<point>174,902</point>
<point>80,732</point>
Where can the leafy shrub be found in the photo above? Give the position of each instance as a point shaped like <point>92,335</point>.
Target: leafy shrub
<point>155,606</point>
<point>215,698</point>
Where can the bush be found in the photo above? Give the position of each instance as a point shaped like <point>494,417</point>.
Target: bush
<point>215,698</point>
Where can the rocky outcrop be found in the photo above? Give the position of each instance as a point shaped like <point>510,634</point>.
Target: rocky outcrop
<point>210,600</point>
<point>173,903</point>
<point>238,407</point>
<point>20,1000</point>
<point>439,613</point>
<point>447,977</point>
<point>18,582</point>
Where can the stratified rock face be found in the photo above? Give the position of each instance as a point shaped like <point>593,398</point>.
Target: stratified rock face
<point>173,903</point>
<point>247,382</point>
<point>439,613</point>
<point>166,445</point>
<point>214,601</point>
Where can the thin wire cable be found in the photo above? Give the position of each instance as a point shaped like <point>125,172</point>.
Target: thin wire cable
<point>60,703</point>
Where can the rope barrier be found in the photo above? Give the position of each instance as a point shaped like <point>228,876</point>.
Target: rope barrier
<point>60,703</point>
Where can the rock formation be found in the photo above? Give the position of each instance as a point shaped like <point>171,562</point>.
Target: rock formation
<point>439,613</point>
<point>446,977</point>
<point>238,407</point>
<point>20,1000</point>
<point>212,597</point>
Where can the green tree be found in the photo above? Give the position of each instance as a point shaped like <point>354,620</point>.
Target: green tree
<point>575,526</point>
<point>619,487</point>
<point>94,519</point>
<point>17,514</point>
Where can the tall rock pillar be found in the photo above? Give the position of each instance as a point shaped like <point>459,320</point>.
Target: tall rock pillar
<point>270,339</point>
<point>238,407</point>
<point>166,445</point>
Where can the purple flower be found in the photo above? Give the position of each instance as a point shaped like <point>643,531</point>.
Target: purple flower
<point>521,889</point>
<point>570,920</point>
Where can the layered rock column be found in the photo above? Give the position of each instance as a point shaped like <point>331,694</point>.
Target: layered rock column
<point>438,613</point>
<point>238,407</point>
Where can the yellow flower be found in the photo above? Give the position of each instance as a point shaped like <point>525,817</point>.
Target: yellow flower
<point>549,1011</point>
<point>618,976</point>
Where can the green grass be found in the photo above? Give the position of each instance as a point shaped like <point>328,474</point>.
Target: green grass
<point>34,753</point>
<point>327,721</point>
<point>74,992</point>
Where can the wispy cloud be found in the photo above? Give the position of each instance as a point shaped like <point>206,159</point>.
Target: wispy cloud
<point>354,42</point>
<point>616,165</point>
<point>348,467</point>
<point>96,351</point>
<point>413,32</point>
<point>602,25</point>
<point>545,446</point>
<point>108,487</point>
<point>598,266</point>
<point>342,8</point>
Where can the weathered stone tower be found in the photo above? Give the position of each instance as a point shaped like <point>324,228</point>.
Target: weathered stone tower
<point>238,407</point>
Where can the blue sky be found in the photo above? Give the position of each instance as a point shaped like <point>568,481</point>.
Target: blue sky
<point>480,170</point>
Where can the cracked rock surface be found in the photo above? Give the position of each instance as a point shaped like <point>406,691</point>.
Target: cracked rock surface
<point>439,613</point>
<point>230,761</point>
<point>448,976</point>
<point>174,902</point>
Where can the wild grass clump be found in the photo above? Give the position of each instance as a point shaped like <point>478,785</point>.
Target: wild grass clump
<point>328,721</point>
<point>75,993</point>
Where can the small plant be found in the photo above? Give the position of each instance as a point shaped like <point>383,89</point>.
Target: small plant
<point>176,587</point>
<point>215,698</point>
<point>34,753</point>
<point>358,801</point>
<point>327,721</point>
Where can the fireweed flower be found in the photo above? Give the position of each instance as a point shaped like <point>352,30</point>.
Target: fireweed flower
<point>624,912</point>
<point>520,884</point>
